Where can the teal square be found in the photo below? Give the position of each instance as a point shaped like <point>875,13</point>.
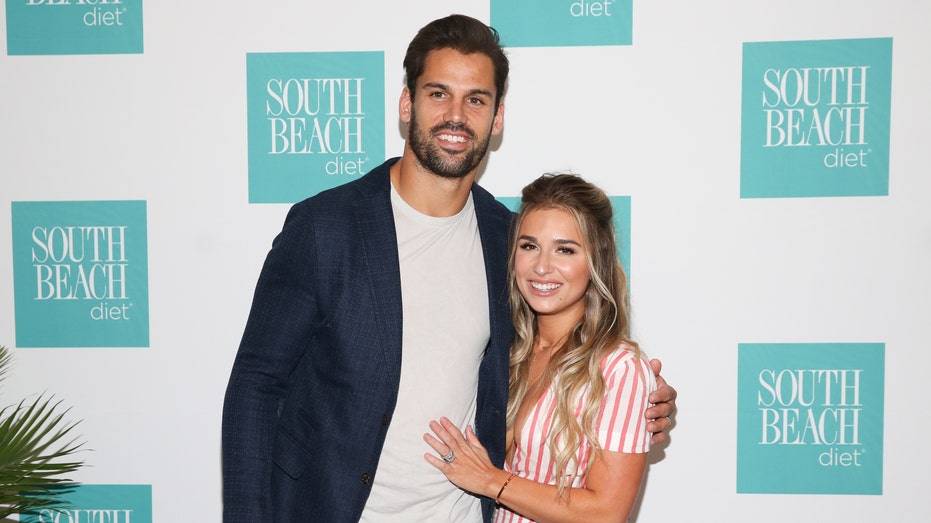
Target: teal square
<point>99,503</point>
<point>74,27</point>
<point>554,23</point>
<point>815,118</point>
<point>621,207</point>
<point>315,121</point>
<point>80,274</point>
<point>810,418</point>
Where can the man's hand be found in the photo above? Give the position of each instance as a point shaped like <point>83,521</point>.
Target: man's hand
<point>664,405</point>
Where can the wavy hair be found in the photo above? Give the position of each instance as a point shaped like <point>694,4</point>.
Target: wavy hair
<point>604,325</point>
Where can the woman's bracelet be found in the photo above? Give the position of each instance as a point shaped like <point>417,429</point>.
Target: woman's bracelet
<point>498,497</point>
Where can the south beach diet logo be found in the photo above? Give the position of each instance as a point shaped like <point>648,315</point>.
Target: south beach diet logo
<point>810,418</point>
<point>815,118</point>
<point>316,120</point>
<point>99,504</point>
<point>563,22</point>
<point>55,27</point>
<point>81,274</point>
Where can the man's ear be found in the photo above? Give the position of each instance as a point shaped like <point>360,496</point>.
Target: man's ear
<point>497,124</point>
<point>404,105</point>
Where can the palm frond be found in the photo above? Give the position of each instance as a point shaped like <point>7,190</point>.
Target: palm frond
<point>34,439</point>
<point>5,358</point>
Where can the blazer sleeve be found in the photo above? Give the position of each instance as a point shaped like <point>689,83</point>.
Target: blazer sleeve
<point>279,326</point>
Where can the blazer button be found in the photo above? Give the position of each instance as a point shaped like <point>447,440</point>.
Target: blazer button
<point>385,419</point>
<point>366,478</point>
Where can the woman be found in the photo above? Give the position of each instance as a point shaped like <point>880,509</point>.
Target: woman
<point>577,440</point>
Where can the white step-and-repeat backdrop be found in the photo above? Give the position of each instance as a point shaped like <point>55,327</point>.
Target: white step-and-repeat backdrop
<point>768,160</point>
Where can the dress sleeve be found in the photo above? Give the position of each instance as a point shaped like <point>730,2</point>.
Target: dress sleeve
<point>629,380</point>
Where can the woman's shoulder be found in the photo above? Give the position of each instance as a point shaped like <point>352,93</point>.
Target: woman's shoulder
<point>624,353</point>
<point>624,358</point>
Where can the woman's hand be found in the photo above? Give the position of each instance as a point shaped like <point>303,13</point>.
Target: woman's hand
<point>468,467</point>
<point>612,483</point>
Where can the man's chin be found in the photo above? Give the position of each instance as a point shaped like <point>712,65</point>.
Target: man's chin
<point>454,166</point>
<point>452,174</point>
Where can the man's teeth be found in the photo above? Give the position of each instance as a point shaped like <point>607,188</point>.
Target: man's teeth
<point>544,286</point>
<point>452,138</point>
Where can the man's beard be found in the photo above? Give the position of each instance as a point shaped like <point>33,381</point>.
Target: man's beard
<point>430,156</point>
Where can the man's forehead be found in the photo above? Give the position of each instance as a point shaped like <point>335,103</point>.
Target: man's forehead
<point>451,67</point>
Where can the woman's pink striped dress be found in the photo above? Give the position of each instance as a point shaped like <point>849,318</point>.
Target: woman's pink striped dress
<point>620,426</point>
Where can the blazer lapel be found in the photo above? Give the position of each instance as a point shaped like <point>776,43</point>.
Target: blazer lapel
<point>380,249</point>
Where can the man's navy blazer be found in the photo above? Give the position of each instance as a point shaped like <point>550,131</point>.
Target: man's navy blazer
<point>316,378</point>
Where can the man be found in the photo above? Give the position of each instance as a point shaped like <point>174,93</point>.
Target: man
<point>323,416</point>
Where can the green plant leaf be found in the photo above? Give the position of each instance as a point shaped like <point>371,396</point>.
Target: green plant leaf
<point>36,445</point>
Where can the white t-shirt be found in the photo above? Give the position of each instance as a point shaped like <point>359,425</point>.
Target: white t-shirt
<point>445,332</point>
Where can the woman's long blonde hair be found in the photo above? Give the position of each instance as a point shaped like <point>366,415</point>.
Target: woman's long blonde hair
<point>605,323</point>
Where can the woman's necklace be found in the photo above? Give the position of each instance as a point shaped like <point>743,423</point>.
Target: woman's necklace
<point>540,349</point>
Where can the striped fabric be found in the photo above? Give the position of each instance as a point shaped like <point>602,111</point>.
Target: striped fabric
<point>620,425</point>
